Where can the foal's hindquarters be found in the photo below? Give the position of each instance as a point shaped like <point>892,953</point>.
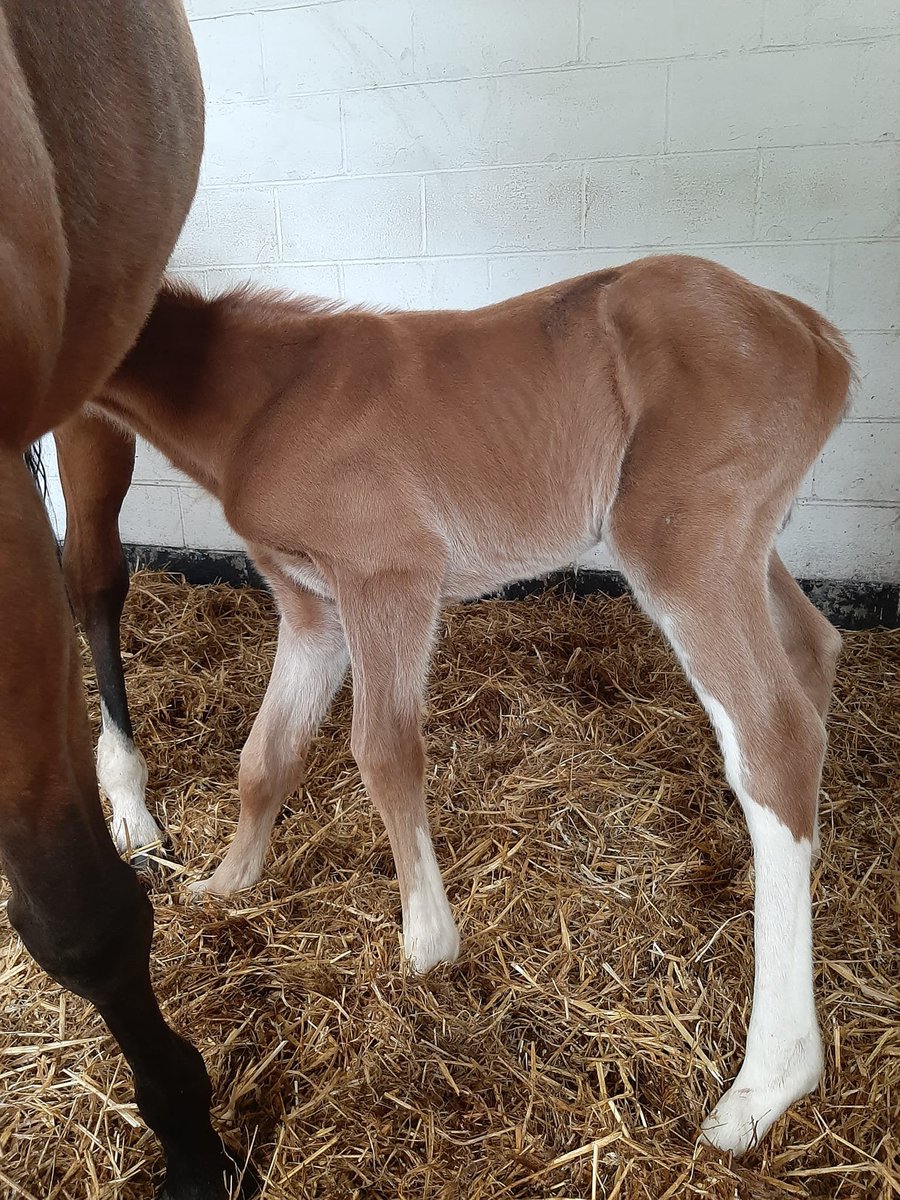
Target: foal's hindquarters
<point>667,406</point>
<point>692,528</point>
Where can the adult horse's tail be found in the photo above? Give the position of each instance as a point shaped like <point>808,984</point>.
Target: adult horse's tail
<point>34,461</point>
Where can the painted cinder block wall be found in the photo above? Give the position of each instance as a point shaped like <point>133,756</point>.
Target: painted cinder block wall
<point>426,153</point>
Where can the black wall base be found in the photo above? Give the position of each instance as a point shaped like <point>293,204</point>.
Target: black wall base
<point>846,603</point>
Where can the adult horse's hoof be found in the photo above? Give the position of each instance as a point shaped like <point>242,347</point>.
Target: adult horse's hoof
<point>228,1180</point>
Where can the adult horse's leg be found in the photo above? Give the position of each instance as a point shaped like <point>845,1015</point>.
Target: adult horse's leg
<point>96,461</point>
<point>90,209</point>
<point>77,906</point>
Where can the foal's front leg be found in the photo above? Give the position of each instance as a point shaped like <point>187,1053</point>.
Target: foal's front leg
<point>389,620</point>
<point>310,665</point>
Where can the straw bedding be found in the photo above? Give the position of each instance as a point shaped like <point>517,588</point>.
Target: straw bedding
<point>599,870</point>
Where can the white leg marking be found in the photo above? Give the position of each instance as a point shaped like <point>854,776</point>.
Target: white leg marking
<point>122,774</point>
<point>308,670</point>
<point>430,935</point>
<point>783,1057</point>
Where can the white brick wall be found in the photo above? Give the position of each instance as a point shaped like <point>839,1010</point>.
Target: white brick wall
<point>429,153</point>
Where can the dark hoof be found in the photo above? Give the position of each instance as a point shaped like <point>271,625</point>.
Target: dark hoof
<point>245,1184</point>
<point>148,865</point>
<point>229,1180</point>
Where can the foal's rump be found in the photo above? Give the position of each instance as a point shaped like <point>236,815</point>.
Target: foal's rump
<point>671,382</point>
<point>690,333</point>
<point>729,390</point>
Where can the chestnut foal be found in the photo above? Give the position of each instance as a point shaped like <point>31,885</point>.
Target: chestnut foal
<point>101,124</point>
<point>381,464</point>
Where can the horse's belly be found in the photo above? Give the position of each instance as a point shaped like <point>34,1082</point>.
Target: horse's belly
<point>480,574</point>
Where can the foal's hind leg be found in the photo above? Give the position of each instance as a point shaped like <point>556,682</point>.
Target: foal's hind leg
<point>811,642</point>
<point>715,613</point>
<point>96,461</point>
<point>310,665</point>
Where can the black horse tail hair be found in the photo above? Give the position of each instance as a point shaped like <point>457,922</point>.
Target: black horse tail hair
<point>34,461</point>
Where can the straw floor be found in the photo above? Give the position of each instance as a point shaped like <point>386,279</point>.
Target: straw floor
<point>599,870</point>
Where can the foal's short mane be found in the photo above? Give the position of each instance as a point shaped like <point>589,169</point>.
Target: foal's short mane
<point>254,300</point>
<point>186,331</point>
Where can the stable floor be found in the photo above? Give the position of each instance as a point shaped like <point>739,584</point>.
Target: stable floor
<point>600,872</point>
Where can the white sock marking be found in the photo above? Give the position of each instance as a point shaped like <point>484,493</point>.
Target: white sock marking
<point>783,1058</point>
<point>430,935</point>
<point>122,774</point>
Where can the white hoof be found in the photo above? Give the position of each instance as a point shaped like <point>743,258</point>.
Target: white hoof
<point>741,1118</point>
<point>430,935</point>
<point>745,1115</point>
<point>135,830</point>
<point>426,949</point>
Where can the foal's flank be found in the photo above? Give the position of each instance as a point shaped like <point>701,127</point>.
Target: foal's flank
<point>379,465</point>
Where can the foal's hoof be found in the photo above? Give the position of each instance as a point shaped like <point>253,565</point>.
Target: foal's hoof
<point>745,1115</point>
<point>228,877</point>
<point>206,887</point>
<point>428,946</point>
<point>739,1120</point>
<point>216,886</point>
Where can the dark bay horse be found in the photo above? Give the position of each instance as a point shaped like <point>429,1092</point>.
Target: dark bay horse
<point>101,125</point>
